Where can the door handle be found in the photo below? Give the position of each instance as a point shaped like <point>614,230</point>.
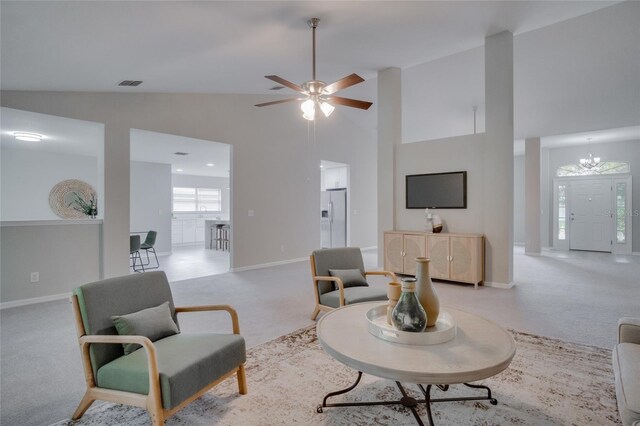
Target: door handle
<point>330,211</point>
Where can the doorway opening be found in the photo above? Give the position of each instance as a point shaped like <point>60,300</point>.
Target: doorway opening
<point>181,188</point>
<point>593,213</point>
<point>334,204</point>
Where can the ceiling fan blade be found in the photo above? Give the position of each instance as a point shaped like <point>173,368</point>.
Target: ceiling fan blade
<point>343,83</point>
<point>285,83</point>
<point>354,103</point>
<point>277,102</point>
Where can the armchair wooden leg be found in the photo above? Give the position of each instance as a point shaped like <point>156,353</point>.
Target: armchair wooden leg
<point>157,414</point>
<point>84,405</point>
<point>242,380</point>
<point>315,313</point>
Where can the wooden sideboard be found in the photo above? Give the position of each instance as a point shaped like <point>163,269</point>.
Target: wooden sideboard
<point>454,257</point>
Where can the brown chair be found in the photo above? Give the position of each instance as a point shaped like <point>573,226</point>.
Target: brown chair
<point>330,289</point>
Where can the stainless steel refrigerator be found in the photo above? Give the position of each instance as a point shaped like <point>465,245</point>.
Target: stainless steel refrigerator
<point>333,218</point>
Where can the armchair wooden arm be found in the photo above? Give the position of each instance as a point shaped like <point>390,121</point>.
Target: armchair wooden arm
<point>385,273</point>
<point>336,280</point>
<point>205,308</point>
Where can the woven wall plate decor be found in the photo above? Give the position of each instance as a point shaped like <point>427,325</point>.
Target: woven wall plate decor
<point>61,198</point>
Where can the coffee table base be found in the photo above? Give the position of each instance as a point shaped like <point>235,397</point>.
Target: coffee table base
<point>406,400</point>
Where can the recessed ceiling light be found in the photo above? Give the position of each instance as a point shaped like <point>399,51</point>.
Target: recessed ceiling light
<point>179,170</point>
<point>210,164</point>
<point>28,137</point>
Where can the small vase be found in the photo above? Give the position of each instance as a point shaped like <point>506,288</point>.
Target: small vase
<point>393,293</point>
<point>425,291</point>
<point>408,314</point>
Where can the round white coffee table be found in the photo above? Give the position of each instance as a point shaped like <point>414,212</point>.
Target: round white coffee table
<point>481,349</point>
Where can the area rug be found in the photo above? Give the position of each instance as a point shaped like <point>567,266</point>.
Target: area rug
<point>549,382</point>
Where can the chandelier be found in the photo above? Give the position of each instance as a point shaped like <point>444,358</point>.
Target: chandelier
<point>590,162</point>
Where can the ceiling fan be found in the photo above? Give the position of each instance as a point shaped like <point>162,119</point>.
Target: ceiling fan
<point>317,93</point>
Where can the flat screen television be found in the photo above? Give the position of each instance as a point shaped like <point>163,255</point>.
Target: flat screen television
<point>437,191</point>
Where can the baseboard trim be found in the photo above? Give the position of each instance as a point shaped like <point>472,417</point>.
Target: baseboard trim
<point>499,285</point>
<point>635,253</point>
<point>518,243</point>
<point>268,265</point>
<point>532,253</point>
<point>33,301</point>
<point>372,248</point>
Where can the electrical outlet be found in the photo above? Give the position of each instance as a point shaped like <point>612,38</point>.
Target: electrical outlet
<point>35,277</point>
<point>282,249</point>
<point>250,213</point>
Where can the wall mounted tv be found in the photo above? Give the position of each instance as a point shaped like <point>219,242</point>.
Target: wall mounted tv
<point>437,191</point>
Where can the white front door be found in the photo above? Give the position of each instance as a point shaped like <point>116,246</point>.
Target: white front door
<point>591,219</point>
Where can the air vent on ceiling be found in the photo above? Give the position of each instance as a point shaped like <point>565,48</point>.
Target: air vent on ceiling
<point>276,87</point>
<point>181,153</point>
<point>130,83</point>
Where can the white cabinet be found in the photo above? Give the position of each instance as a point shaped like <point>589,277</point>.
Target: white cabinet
<point>199,230</point>
<point>176,231</point>
<point>188,231</point>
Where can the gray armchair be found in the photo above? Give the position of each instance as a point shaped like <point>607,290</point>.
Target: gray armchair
<point>335,282</point>
<point>166,373</point>
<point>626,370</point>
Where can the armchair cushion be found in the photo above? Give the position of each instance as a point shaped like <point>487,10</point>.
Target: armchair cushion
<point>353,295</point>
<point>154,323</point>
<point>186,364</point>
<point>349,277</point>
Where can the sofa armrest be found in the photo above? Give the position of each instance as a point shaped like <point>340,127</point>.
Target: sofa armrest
<point>629,330</point>
<point>205,308</point>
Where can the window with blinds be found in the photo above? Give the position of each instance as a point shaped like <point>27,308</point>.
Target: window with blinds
<point>197,199</point>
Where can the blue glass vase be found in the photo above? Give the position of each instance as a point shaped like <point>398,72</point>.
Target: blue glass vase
<point>408,315</point>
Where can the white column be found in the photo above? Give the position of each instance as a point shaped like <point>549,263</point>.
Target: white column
<point>498,160</point>
<point>532,196</point>
<point>389,134</point>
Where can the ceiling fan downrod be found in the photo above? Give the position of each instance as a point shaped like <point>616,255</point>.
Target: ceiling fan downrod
<point>313,23</point>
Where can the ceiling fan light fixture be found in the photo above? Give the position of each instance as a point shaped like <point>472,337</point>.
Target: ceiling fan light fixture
<point>326,108</point>
<point>308,108</point>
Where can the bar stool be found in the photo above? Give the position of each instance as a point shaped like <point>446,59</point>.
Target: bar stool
<point>226,237</point>
<point>219,239</point>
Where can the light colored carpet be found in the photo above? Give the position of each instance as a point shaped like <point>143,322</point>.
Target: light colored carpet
<point>550,382</point>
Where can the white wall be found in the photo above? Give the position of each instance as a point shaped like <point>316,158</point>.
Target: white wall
<point>518,200</point>
<point>461,153</point>
<point>65,255</point>
<point>275,166</point>
<point>438,97</point>
<point>150,202</point>
<point>191,181</point>
<point>577,75</point>
<point>28,176</point>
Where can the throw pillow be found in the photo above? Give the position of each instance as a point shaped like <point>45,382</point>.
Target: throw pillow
<point>349,277</point>
<point>154,323</point>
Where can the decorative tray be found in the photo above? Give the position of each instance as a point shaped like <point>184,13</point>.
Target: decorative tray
<point>443,331</point>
